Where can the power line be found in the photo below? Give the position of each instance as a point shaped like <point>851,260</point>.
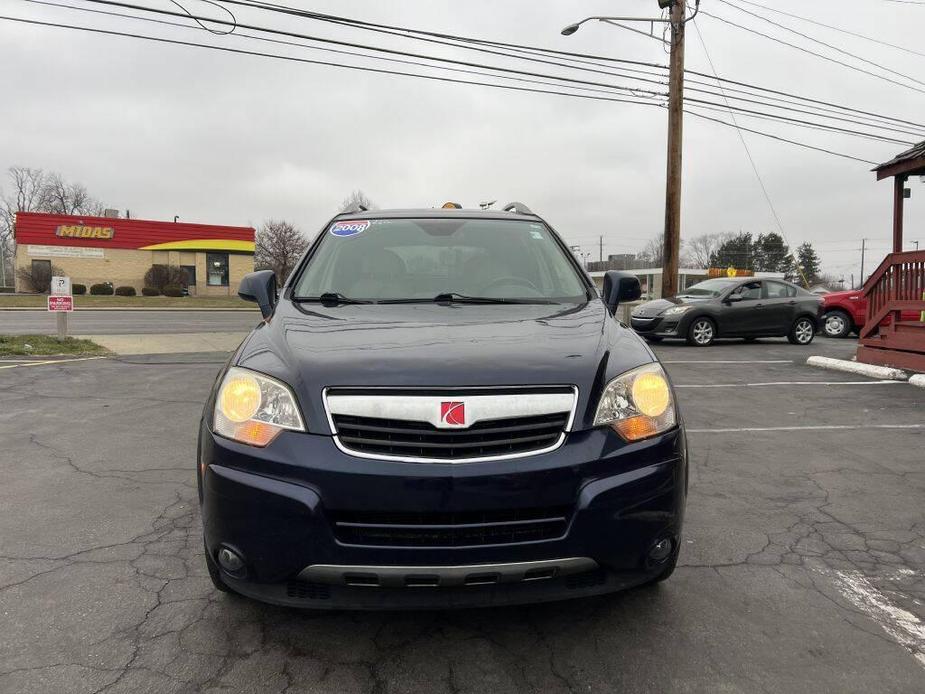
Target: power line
<point>726,80</point>
<point>865,119</point>
<point>751,160</point>
<point>813,53</point>
<point>778,138</point>
<point>521,48</point>
<point>838,29</point>
<point>436,78</point>
<point>831,128</point>
<point>822,43</point>
<point>288,58</point>
<point>798,124</point>
<point>637,92</point>
<point>306,46</point>
<point>389,51</point>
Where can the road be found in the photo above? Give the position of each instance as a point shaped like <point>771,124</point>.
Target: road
<point>802,568</point>
<point>89,322</point>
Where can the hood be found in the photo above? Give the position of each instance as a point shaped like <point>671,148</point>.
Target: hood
<point>841,296</point>
<point>655,307</point>
<point>312,347</point>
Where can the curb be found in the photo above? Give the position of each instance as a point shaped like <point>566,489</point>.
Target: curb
<point>918,380</point>
<point>881,372</point>
<point>130,308</point>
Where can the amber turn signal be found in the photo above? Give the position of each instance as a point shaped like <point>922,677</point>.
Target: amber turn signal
<point>256,433</point>
<point>636,428</point>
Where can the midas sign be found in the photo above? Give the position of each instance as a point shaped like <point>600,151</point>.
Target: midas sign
<point>79,231</point>
<point>729,272</point>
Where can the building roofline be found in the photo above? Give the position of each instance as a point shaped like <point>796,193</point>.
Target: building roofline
<point>83,218</point>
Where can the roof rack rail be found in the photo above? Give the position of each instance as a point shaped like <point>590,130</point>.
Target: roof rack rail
<point>517,208</point>
<point>354,208</point>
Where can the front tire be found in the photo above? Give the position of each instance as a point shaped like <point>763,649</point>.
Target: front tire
<point>701,332</point>
<point>837,324</point>
<point>802,332</point>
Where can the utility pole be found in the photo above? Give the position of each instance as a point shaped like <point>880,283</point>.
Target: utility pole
<point>675,149</point>
<point>600,240</point>
<point>863,250</point>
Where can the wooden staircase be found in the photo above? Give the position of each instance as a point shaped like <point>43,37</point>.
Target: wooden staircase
<point>893,292</point>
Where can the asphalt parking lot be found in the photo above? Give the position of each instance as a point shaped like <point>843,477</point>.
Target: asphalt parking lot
<point>802,569</point>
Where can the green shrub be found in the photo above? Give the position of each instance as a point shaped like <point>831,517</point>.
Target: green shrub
<point>79,289</point>
<point>101,289</point>
<point>125,291</point>
<point>173,290</point>
<point>150,291</point>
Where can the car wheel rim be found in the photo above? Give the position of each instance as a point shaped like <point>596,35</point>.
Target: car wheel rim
<point>703,333</point>
<point>804,331</point>
<point>834,325</point>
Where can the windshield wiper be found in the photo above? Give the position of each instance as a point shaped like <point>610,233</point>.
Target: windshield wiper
<point>457,298</point>
<point>332,298</point>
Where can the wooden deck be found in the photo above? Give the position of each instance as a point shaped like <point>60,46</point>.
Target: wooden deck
<point>893,292</point>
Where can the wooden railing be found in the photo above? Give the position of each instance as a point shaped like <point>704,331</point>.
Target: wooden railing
<point>897,285</point>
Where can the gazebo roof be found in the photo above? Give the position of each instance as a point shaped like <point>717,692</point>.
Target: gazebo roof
<point>909,163</point>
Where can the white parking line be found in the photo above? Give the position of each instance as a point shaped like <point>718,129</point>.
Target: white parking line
<point>49,361</point>
<point>905,628</point>
<point>820,427</point>
<point>731,361</point>
<point>788,383</point>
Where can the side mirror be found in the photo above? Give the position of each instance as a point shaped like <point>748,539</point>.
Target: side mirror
<point>619,286</point>
<point>732,298</point>
<point>261,288</point>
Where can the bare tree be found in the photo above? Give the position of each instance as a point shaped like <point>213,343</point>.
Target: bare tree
<point>357,197</point>
<point>654,251</point>
<point>34,190</point>
<point>62,197</point>
<point>27,193</point>
<point>701,248</point>
<point>279,245</point>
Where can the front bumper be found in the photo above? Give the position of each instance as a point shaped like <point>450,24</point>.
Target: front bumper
<point>658,326</point>
<point>276,508</point>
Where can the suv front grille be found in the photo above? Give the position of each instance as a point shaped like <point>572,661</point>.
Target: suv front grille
<point>469,529</point>
<point>400,438</point>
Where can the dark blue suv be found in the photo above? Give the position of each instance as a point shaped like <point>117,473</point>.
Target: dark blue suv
<point>440,410</point>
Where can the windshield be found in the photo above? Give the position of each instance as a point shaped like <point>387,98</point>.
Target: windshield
<point>708,288</point>
<point>421,259</point>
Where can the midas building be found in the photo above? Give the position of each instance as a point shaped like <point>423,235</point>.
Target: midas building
<point>92,250</point>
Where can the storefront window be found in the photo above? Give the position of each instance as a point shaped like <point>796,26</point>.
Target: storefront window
<point>217,269</point>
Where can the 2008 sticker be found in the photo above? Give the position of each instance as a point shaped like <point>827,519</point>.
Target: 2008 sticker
<point>351,228</point>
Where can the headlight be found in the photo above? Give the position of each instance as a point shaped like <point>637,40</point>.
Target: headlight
<point>675,310</point>
<point>253,408</point>
<point>637,404</point>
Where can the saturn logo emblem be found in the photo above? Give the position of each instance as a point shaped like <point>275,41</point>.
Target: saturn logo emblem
<point>453,414</point>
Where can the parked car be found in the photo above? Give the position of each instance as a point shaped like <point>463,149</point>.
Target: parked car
<point>844,313</point>
<point>440,410</point>
<point>731,307</point>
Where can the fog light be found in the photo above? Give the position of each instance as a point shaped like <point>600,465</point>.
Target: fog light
<point>660,551</point>
<point>230,560</point>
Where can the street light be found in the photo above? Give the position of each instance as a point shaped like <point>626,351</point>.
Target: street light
<point>572,28</point>
<point>677,19</point>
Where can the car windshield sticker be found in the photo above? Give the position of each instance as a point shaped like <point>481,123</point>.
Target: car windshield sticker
<point>351,228</point>
<point>536,234</point>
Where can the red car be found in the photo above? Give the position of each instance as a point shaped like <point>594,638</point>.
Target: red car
<point>846,312</point>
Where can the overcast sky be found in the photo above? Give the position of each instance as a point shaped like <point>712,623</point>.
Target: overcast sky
<point>225,138</point>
